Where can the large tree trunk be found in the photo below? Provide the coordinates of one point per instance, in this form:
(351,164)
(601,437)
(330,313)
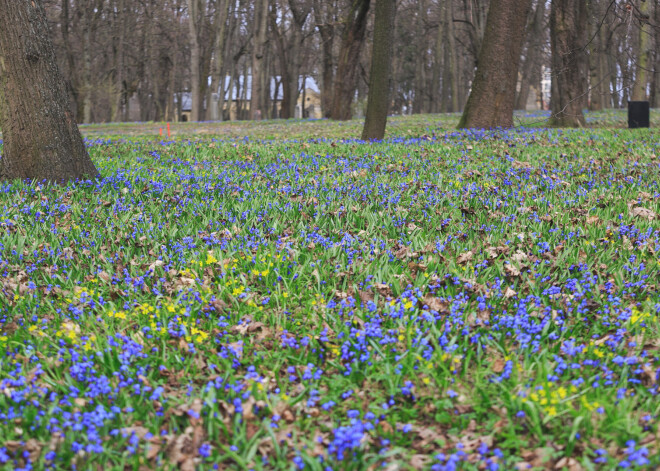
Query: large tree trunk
(349,57)
(259,38)
(568,39)
(491,100)
(378,101)
(41,139)
(641,74)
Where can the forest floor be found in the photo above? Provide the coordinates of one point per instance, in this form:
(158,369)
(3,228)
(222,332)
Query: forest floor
(299,299)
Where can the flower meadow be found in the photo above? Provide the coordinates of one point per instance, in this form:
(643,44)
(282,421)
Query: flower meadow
(440,300)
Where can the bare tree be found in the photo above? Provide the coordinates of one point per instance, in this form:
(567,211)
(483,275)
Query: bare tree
(196,9)
(533,56)
(325,16)
(355,26)
(491,100)
(258,105)
(289,35)
(568,38)
(41,139)
(643,52)
(218,58)
(379,78)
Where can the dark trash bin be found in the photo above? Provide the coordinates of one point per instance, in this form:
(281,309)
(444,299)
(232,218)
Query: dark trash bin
(638,114)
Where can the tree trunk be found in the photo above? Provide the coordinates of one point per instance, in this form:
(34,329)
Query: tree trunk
(194,24)
(493,94)
(598,72)
(259,38)
(420,61)
(436,72)
(119,105)
(217,64)
(41,139)
(378,101)
(531,67)
(568,40)
(655,81)
(287,105)
(71,73)
(349,57)
(614,91)
(300,12)
(451,68)
(326,30)
(641,75)
(87,68)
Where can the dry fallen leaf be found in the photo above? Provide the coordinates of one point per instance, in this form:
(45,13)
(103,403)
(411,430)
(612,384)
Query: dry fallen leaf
(435,304)
(511,270)
(465,257)
(644,213)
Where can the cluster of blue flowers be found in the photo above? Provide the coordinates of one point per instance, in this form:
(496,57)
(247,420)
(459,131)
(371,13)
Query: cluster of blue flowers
(360,292)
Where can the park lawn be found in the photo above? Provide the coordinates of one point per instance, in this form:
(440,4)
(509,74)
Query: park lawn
(440,300)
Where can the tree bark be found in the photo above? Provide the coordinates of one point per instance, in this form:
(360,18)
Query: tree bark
(349,57)
(568,40)
(41,138)
(87,67)
(217,64)
(420,60)
(378,101)
(70,73)
(531,67)
(259,38)
(655,80)
(493,94)
(299,12)
(436,70)
(194,24)
(641,65)
(598,74)
(450,82)
(325,25)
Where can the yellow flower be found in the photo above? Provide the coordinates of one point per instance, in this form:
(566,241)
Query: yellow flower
(210,259)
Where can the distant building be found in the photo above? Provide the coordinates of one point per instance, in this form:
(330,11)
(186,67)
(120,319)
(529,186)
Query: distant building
(237,99)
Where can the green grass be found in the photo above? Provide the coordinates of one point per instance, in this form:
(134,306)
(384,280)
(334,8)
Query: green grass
(300,298)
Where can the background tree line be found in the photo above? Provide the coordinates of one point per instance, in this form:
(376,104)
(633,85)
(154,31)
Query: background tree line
(143,54)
